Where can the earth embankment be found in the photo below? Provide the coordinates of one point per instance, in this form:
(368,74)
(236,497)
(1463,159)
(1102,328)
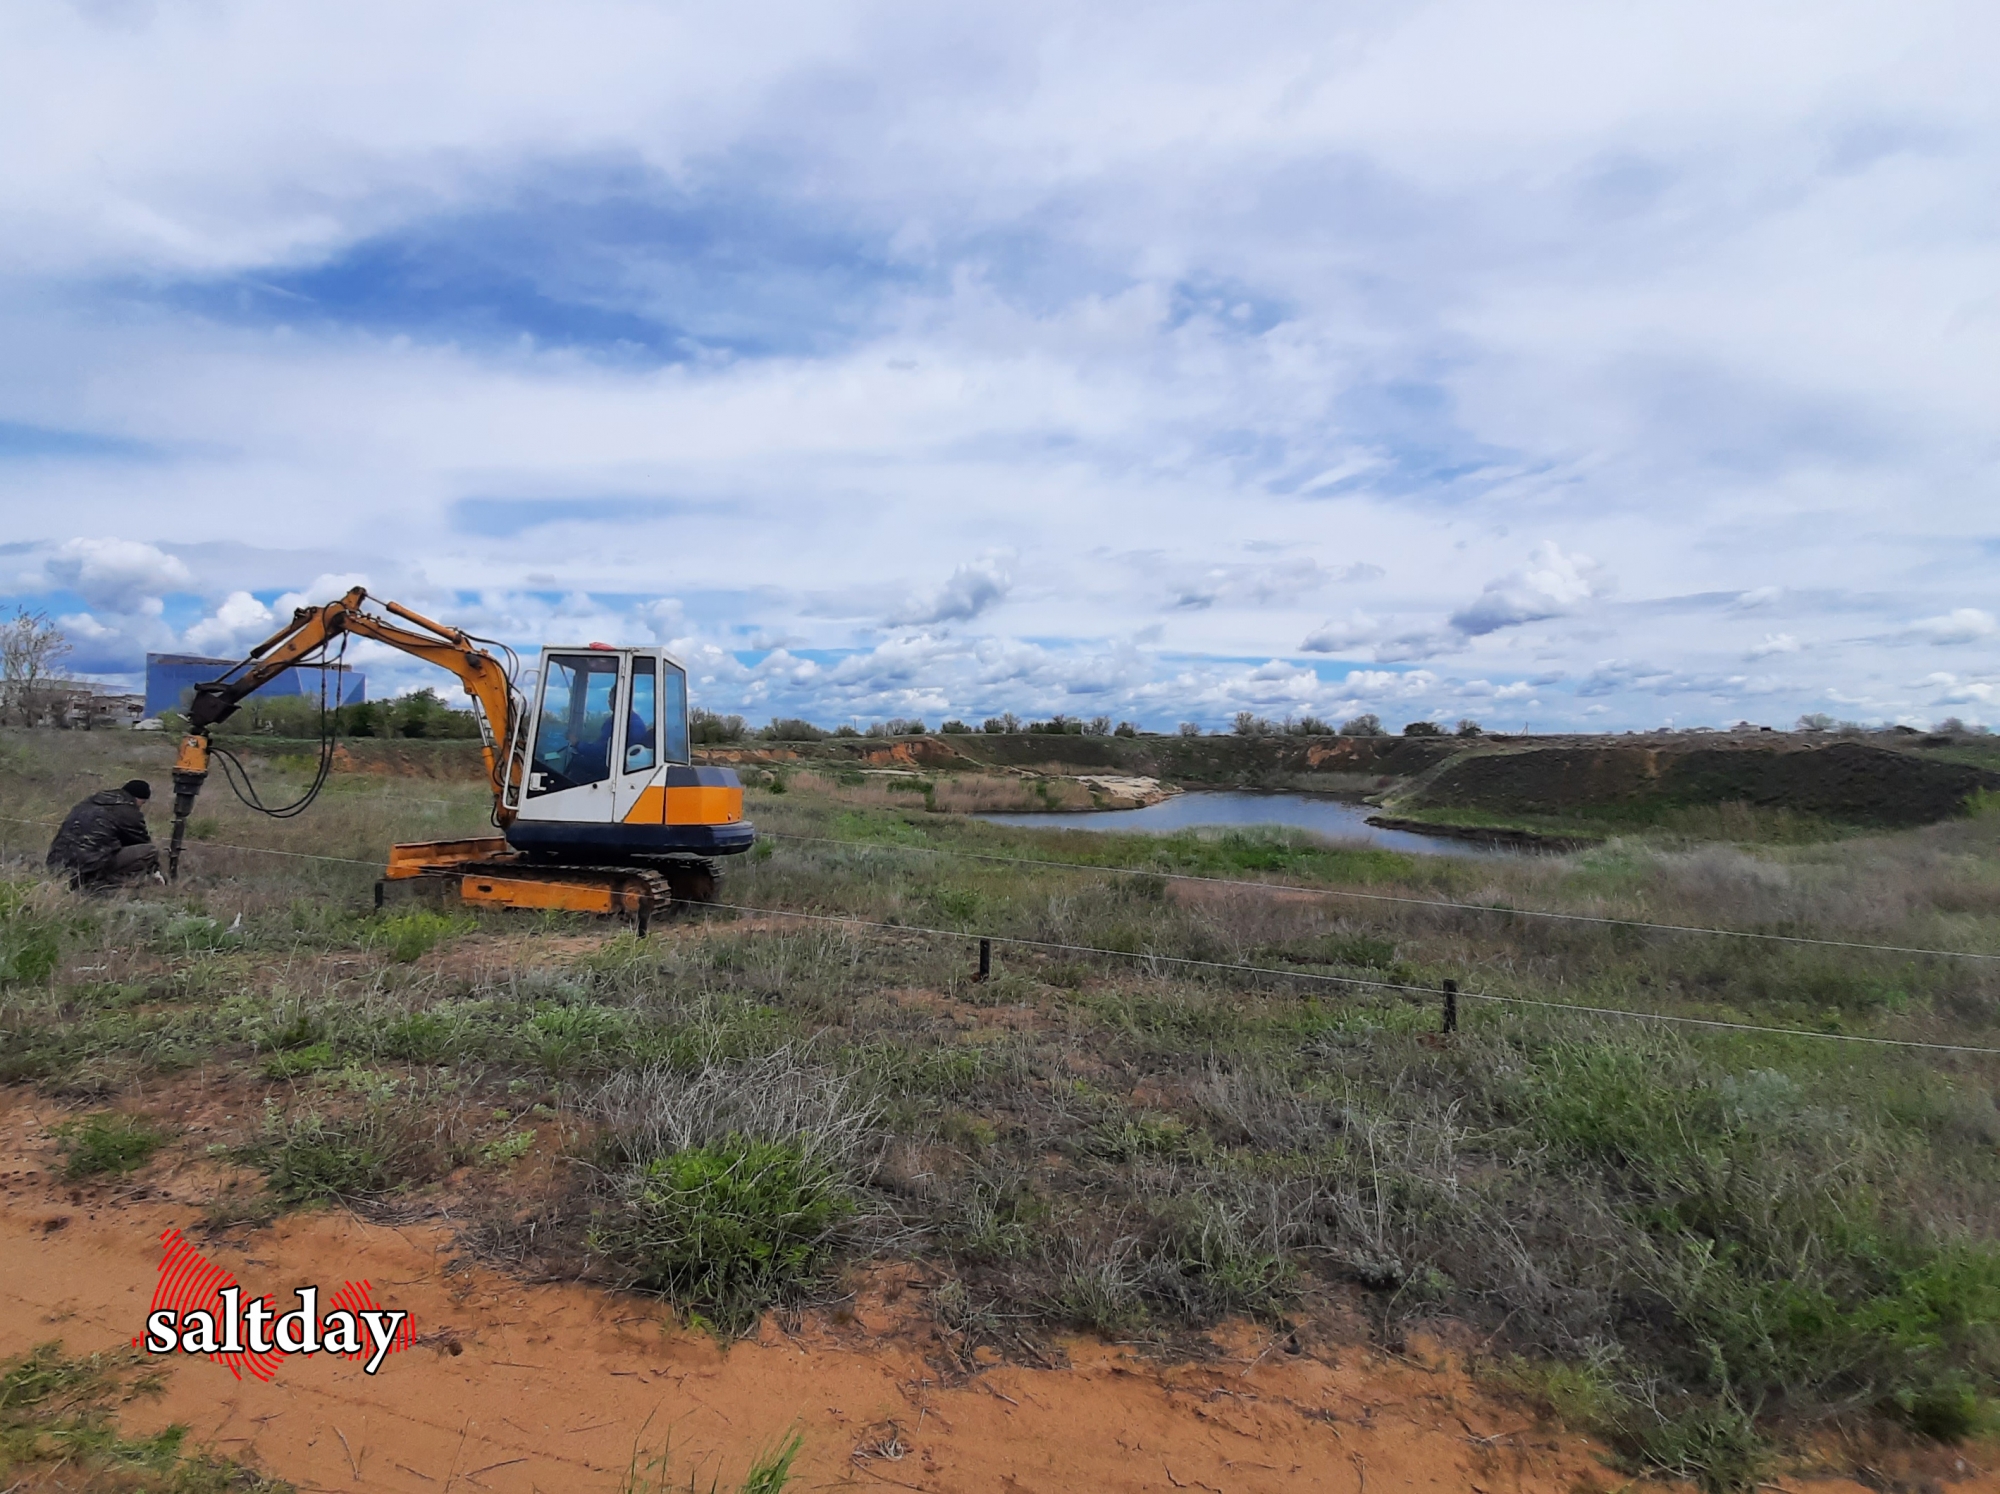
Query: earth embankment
(1850,782)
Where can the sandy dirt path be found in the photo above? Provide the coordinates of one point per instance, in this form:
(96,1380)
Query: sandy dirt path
(551,1388)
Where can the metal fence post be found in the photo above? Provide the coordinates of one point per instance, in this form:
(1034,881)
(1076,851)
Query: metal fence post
(1451,1006)
(985,960)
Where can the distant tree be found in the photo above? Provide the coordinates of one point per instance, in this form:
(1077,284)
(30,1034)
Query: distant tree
(1422,729)
(791,729)
(1249,724)
(31,650)
(1058,726)
(1126,729)
(1098,726)
(1368,724)
(845,730)
(1190,728)
(1308,725)
(956,727)
(1002,724)
(422,713)
(1467,727)
(707,729)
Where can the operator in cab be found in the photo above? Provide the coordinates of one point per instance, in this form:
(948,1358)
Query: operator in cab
(104,841)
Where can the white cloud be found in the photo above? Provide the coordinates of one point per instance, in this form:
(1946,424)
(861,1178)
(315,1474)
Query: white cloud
(1268,584)
(1774,643)
(1342,635)
(971,591)
(117,575)
(1972,694)
(1756,597)
(1552,584)
(1960,625)
(239,624)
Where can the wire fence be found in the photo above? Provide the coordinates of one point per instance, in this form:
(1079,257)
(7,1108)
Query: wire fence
(1446,993)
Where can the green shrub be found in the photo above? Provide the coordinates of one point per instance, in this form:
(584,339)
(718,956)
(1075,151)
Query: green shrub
(311,1157)
(956,905)
(408,937)
(506,1149)
(107,1142)
(30,949)
(296,1062)
(420,1037)
(725,1229)
(193,933)
(1715,1446)
(567,1040)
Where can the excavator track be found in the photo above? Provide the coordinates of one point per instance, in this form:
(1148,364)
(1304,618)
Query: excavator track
(636,891)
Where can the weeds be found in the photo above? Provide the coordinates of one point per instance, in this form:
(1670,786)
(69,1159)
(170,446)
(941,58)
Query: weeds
(408,937)
(724,1188)
(109,1142)
(724,1229)
(57,1430)
(389,1143)
(769,1471)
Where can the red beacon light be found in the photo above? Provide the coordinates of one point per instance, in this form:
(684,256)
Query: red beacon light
(605,646)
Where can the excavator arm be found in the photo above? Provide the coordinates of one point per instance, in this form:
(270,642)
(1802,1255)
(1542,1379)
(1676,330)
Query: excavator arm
(310,630)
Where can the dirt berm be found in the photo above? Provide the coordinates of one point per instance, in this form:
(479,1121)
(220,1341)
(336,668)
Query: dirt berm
(1326,763)
(1847,781)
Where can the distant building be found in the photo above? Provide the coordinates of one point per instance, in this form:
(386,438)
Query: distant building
(81,705)
(170,679)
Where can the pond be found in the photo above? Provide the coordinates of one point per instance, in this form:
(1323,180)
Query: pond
(1336,819)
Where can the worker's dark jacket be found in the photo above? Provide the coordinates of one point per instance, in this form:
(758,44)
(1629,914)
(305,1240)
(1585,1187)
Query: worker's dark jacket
(96,831)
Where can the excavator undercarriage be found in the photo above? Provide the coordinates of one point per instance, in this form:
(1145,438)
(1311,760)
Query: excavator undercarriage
(487,872)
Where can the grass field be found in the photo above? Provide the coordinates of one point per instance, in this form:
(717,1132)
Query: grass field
(1708,1245)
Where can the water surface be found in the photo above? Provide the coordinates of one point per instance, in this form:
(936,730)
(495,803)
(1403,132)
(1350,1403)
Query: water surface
(1337,819)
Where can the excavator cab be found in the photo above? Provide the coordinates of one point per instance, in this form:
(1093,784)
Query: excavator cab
(605,772)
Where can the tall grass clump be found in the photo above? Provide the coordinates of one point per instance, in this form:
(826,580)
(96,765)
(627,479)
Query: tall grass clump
(408,937)
(393,1140)
(107,1143)
(723,1188)
(31,937)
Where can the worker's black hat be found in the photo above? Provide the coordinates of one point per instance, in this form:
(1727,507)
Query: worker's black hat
(138,788)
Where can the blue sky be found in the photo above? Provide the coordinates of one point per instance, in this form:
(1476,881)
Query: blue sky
(1560,364)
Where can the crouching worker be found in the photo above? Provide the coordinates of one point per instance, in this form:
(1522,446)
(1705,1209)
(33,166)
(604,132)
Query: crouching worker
(104,841)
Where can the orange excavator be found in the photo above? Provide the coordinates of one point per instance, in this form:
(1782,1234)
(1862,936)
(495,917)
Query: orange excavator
(599,804)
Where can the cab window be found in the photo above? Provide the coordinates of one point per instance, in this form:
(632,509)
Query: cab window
(674,713)
(642,721)
(574,730)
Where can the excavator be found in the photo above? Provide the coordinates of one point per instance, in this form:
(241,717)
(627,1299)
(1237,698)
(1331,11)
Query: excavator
(599,804)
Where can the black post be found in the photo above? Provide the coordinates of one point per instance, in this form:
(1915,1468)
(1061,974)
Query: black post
(1451,1006)
(985,960)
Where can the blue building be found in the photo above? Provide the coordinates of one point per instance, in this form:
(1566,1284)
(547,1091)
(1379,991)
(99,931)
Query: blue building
(171,677)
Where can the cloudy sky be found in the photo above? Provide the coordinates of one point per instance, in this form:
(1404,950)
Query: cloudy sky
(1581,365)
